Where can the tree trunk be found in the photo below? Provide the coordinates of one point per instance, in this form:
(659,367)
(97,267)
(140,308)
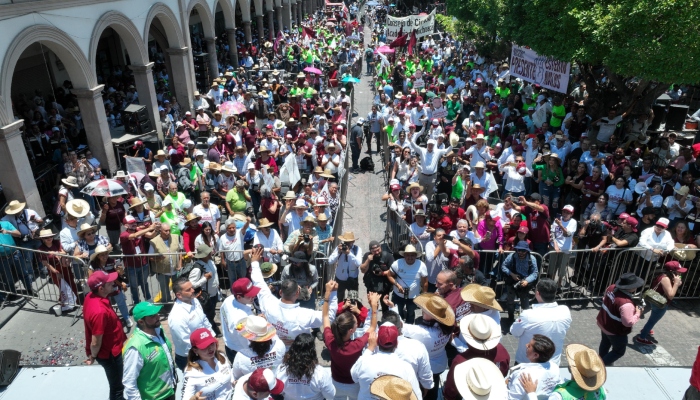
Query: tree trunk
(618,91)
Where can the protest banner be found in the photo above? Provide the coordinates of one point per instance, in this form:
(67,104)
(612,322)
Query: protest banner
(423,24)
(439,111)
(545,71)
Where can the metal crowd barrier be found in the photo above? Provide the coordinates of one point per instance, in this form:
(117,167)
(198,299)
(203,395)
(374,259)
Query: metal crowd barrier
(35,275)
(398,233)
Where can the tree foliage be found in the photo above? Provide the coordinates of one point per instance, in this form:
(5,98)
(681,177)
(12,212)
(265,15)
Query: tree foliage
(637,43)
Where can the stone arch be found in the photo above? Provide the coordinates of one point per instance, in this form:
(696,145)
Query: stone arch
(229,13)
(205,15)
(259,9)
(169,21)
(130,35)
(81,72)
(244,6)
(271,4)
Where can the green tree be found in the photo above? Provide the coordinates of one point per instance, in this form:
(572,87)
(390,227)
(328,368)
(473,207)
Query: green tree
(641,45)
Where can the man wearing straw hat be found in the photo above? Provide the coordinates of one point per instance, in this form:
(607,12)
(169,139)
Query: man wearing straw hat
(372,365)
(392,387)
(27,222)
(587,372)
(409,276)
(479,379)
(347,260)
(9,259)
(483,337)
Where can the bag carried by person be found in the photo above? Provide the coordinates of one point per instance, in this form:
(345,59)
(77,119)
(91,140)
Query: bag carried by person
(366,164)
(184,183)
(655,298)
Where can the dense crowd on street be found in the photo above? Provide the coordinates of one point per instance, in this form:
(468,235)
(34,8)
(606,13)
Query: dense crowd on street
(498,181)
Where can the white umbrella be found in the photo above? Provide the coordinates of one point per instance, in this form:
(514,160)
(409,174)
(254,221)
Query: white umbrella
(105,187)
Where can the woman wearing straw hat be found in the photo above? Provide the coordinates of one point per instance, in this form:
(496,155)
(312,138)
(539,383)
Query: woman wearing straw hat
(65,194)
(266,350)
(88,240)
(100,261)
(483,337)
(192,230)
(410,278)
(302,376)
(435,332)
(270,240)
(60,269)
(207,369)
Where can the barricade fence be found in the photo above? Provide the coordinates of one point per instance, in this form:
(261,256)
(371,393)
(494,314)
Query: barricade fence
(398,233)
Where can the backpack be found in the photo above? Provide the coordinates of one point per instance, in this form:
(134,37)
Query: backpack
(366,164)
(184,183)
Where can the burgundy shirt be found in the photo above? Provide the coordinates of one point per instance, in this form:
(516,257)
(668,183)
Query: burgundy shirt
(459,306)
(539,224)
(100,319)
(499,355)
(129,248)
(342,359)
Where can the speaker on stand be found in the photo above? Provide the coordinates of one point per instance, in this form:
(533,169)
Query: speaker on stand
(675,119)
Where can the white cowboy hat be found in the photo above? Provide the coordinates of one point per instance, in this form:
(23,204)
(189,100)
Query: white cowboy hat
(410,249)
(85,228)
(256,329)
(78,208)
(98,250)
(70,181)
(480,379)
(14,207)
(480,332)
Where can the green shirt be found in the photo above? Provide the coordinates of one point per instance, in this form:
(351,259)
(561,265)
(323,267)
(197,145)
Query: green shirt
(172,219)
(179,199)
(571,391)
(236,200)
(558,114)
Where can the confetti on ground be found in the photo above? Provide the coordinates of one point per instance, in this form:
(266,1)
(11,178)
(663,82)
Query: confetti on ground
(67,351)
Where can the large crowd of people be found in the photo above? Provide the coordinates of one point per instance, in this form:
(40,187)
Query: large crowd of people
(498,181)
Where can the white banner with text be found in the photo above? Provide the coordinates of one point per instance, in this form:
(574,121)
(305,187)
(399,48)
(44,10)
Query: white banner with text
(545,71)
(423,24)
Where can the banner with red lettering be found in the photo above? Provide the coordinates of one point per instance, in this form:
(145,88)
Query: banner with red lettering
(545,71)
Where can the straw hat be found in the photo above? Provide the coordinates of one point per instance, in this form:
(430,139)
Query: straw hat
(436,307)
(160,152)
(155,174)
(309,219)
(98,250)
(327,174)
(279,124)
(78,208)
(213,166)
(480,331)
(85,228)
(263,223)
(14,207)
(413,186)
(191,217)
(483,296)
(393,388)
(135,201)
(410,249)
(263,149)
(480,379)
(256,329)
(268,269)
(70,181)
(347,237)
(46,233)
(321,217)
(683,190)
(318,170)
(228,167)
(586,367)
(290,195)
(187,161)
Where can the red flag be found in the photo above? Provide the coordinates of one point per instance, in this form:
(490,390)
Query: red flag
(399,41)
(412,42)
(309,32)
(280,37)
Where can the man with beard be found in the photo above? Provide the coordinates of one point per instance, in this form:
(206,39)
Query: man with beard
(616,163)
(375,267)
(149,369)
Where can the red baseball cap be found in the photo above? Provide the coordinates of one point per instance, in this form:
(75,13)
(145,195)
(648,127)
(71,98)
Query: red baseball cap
(99,278)
(263,380)
(624,216)
(138,144)
(129,219)
(388,335)
(675,266)
(523,229)
(202,338)
(633,223)
(244,287)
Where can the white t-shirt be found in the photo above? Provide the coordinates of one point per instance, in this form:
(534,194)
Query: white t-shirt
(616,196)
(371,366)
(215,384)
(546,375)
(673,213)
(330,166)
(319,387)
(413,352)
(656,201)
(246,361)
(409,276)
(231,312)
(434,341)
(548,319)
(564,242)
(211,215)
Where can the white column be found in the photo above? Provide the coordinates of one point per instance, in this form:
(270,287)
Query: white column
(261,30)
(213,61)
(182,84)
(280,22)
(16,173)
(143,77)
(95,120)
(233,47)
(248,33)
(286,16)
(271,25)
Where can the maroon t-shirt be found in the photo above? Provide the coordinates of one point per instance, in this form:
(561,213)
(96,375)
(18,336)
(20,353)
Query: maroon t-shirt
(100,319)
(115,215)
(594,186)
(129,249)
(453,217)
(342,359)
(498,355)
(459,306)
(265,205)
(539,224)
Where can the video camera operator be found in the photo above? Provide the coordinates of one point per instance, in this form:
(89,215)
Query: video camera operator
(375,267)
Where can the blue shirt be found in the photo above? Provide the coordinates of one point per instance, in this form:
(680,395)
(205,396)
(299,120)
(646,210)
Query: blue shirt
(526,268)
(6,239)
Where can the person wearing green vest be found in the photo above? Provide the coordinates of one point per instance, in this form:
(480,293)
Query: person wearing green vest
(453,107)
(558,114)
(176,197)
(502,90)
(588,373)
(149,369)
(169,216)
(459,182)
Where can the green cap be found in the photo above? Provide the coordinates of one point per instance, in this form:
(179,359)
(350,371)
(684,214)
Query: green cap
(266,267)
(145,309)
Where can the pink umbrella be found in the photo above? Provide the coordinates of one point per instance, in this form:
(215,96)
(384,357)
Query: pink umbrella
(313,70)
(105,187)
(231,108)
(384,50)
